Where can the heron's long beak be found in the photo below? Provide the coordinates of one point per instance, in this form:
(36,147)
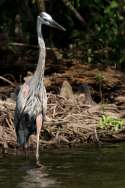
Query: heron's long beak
(56,25)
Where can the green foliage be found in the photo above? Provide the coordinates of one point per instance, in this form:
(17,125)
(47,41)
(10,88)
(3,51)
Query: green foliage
(104,33)
(100,40)
(108,122)
(99,77)
(33,1)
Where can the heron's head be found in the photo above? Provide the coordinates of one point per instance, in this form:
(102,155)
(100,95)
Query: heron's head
(48,20)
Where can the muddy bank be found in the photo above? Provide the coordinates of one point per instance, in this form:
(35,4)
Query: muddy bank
(69,122)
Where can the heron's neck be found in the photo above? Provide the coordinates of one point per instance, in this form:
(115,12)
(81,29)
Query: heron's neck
(39,73)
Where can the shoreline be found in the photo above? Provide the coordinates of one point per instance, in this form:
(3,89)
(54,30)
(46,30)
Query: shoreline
(67,124)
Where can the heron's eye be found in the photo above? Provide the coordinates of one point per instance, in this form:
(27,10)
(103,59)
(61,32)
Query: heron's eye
(45,20)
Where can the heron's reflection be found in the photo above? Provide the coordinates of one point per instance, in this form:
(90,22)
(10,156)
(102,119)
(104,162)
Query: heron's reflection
(37,178)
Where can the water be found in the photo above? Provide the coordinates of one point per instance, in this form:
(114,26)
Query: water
(86,167)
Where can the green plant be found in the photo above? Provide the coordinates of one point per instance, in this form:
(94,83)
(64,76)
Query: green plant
(108,122)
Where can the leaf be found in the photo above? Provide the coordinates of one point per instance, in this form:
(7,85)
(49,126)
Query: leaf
(110,122)
(113,5)
(33,1)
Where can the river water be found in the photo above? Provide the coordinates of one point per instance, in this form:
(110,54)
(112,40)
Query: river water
(84,167)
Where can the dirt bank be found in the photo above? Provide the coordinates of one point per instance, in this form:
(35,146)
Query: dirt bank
(68,123)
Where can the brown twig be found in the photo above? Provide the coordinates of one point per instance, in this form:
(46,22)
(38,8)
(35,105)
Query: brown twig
(8,81)
(72,8)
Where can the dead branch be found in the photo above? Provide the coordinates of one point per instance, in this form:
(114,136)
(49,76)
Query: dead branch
(77,14)
(8,81)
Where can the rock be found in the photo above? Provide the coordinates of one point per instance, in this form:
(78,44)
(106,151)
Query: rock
(66,91)
(84,93)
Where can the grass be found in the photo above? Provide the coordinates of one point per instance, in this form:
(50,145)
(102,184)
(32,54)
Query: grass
(108,122)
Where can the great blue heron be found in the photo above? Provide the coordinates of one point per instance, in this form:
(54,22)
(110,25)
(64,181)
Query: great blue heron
(31,104)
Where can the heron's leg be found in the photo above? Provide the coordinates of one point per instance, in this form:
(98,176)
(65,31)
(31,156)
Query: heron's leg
(26,150)
(39,124)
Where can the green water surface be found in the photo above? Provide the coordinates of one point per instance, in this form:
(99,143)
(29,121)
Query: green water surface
(84,167)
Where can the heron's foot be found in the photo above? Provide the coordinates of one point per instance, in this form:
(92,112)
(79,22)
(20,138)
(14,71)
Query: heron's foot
(38,164)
